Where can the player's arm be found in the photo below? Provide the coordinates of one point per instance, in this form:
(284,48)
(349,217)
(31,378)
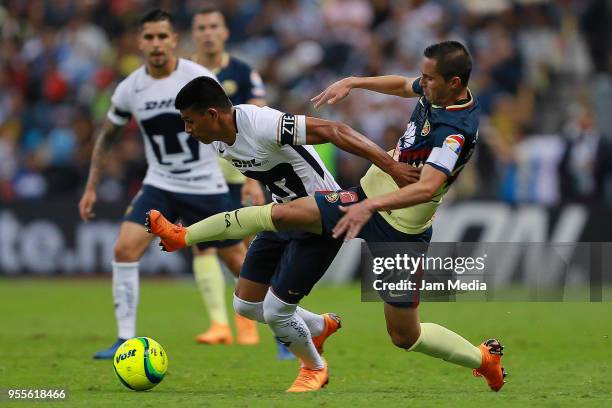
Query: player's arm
(388,84)
(422,191)
(319,131)
(107,136)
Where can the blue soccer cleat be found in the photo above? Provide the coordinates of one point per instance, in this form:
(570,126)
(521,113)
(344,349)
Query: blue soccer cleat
(109,353)
(283,352)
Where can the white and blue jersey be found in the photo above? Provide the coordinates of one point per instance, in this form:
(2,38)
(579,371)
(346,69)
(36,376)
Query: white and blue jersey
(270,147)
(176,161)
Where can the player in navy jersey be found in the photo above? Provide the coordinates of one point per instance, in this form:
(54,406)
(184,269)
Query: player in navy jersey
(242,84)
(182,176)
(440,137)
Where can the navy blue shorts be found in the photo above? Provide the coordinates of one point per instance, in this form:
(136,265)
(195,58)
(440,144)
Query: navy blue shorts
(291,262)
(188,208)
(375,230)
(235,192)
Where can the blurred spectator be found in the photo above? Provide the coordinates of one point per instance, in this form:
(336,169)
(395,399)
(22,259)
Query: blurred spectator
(586,160)
(60,59)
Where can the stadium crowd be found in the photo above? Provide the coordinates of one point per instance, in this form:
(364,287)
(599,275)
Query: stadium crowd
(542,74)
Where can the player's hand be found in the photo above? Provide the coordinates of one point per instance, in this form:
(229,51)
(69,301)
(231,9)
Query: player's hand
(333,93)
(404,174)
(86,204)
(355,217)
(251,193)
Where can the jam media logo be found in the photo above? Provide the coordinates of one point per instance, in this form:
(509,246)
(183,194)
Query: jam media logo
(455,143)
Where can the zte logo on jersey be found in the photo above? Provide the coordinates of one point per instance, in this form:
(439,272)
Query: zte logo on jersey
(243,164)
(287,129)
(166,103)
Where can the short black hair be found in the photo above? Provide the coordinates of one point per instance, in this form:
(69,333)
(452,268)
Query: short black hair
(202,93)
(211,8)
(156,15)
(452,59)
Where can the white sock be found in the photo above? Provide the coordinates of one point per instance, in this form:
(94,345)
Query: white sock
(254,311)
(125,296)
(291,330)
(250,310)
(315,322)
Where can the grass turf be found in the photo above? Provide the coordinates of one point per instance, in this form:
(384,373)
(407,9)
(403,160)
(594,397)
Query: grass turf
(558,354)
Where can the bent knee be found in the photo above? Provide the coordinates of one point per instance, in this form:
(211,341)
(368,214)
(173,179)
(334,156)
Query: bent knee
(276,311)
(250,310)
(301,214)
(281,215)
(403,340)
(126,252)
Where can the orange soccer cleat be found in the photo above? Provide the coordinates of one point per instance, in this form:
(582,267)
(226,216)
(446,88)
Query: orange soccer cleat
(491,368)
(172,236)
(332,324)
(246,331)
(217,334)
(310,380)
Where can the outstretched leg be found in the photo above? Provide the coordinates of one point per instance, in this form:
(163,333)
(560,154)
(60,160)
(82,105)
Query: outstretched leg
(407,332)
(301,215)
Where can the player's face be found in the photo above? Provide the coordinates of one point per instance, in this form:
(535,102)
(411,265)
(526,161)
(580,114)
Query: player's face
(157,42)
(435,88)
(202,126)
(209,32)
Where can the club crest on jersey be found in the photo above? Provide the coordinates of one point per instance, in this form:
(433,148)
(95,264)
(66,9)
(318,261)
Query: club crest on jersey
(332,197)
(455,143)
(426,128)
(348,197)
(230,87)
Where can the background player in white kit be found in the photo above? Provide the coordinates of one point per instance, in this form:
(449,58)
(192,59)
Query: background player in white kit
(183,175)
(280,268)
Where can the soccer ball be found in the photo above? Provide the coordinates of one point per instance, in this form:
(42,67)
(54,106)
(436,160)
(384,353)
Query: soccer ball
(140,363)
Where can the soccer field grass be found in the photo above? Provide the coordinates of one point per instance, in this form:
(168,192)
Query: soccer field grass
(558,354)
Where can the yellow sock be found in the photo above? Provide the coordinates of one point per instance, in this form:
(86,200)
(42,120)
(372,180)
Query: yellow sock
(437,341)
(235,224)
(211,283)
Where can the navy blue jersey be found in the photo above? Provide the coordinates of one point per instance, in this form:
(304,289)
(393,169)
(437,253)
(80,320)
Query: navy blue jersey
(441,136)
(434,127)
(240,82)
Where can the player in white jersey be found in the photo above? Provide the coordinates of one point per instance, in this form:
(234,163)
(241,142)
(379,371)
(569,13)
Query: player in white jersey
(280,268)
(183,175)
(268,148)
